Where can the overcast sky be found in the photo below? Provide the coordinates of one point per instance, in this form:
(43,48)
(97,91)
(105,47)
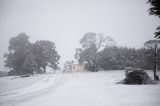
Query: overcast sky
(65,21)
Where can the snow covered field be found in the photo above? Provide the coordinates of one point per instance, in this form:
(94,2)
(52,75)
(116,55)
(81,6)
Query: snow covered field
(76,89)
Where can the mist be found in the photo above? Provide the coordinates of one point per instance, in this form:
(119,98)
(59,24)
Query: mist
(65,22)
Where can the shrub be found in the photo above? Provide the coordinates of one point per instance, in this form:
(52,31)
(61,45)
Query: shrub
(138,77)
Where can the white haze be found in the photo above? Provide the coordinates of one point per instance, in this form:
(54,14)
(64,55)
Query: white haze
(65,21)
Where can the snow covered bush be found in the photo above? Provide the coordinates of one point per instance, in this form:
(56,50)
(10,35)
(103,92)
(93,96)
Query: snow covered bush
(138,77)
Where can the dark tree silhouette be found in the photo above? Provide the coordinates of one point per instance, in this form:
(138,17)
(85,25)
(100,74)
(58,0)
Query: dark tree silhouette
(155,10)
(46,54)
(27,58)
(16,55)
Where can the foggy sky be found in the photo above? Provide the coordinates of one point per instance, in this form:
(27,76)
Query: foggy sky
(65,21)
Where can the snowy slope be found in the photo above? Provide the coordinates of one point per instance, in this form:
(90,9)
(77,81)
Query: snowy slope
(83,89)
(14,83)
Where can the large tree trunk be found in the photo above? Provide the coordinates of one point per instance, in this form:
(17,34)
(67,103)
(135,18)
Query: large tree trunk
(38,70)
(95,64)
(155,63)
(44,68)
(95,68)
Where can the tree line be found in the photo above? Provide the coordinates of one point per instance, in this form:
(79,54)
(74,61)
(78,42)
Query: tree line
(24,57)
(101,53)
(119,58)
(97,53)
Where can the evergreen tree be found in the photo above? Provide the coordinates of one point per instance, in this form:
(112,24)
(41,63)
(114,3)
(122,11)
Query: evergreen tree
(46,55)
(155,10)
(24,57)
(16,55)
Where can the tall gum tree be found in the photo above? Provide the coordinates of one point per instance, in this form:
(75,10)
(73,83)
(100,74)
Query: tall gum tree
(91,44)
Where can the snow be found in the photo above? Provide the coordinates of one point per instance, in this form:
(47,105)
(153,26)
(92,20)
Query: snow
(14,83)
(77,89)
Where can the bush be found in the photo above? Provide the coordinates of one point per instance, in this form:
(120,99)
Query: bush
(138,77)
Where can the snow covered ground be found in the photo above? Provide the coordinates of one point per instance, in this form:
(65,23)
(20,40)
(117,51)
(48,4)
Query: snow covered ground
(76,89)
